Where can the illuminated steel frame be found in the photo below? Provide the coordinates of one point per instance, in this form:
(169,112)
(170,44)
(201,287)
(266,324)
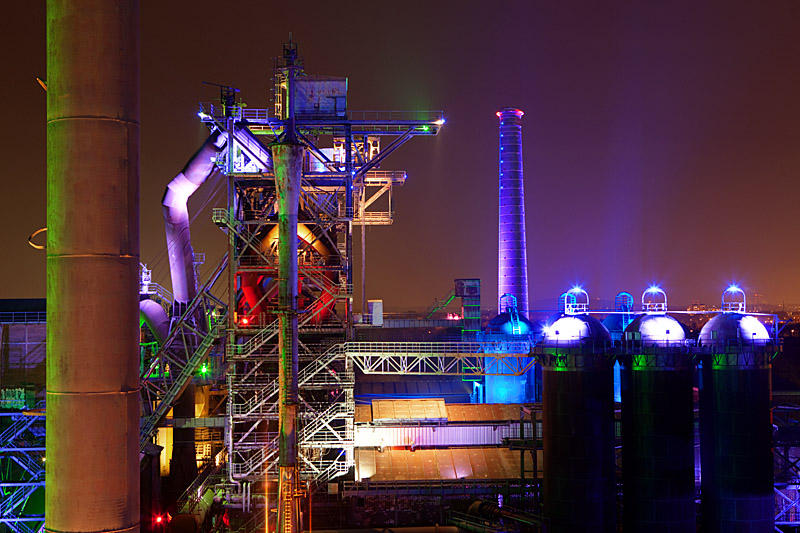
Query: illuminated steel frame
(341,188)
(22,450)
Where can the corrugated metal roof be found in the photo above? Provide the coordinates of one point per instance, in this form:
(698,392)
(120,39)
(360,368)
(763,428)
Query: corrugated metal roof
(363,414)
(435,409)
(428,464)
(418,410)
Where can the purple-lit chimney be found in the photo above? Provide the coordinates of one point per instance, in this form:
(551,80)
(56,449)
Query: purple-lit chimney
(512,268)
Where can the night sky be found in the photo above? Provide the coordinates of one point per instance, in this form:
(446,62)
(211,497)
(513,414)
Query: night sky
(661,139)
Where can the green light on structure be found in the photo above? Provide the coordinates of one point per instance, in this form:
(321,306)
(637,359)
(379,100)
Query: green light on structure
(426,128)
(471,373)
(204,369)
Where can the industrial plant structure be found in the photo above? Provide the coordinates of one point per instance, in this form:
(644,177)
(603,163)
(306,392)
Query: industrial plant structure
(269,404)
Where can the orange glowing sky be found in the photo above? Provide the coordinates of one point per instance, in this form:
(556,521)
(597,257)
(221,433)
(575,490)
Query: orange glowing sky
(660,139)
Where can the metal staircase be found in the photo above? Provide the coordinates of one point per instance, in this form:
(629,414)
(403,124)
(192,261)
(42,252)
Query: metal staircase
(318,373)
(318,433)
(255,342)
(323,428)
(177,385)
(172,368)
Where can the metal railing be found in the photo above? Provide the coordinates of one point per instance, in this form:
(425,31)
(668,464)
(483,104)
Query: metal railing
(396,116)
(441,358)
(381,177)
(157,289)
(374,218)
(265,115)
(265,457)
(32,317)
(255,342)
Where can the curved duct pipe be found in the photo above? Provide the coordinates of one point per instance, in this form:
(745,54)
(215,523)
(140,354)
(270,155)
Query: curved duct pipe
(270,242)
(253,292)
(176,216)
(156,319)
(184,283)
(323,306)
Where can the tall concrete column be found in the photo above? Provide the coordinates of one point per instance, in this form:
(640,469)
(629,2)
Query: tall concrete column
(92,266)
(287,161)
(512,268)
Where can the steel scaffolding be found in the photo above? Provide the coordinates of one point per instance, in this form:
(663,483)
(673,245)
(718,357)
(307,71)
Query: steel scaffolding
(21,467)
(341,187)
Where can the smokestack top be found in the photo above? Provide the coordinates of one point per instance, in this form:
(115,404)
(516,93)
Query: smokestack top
(506,111)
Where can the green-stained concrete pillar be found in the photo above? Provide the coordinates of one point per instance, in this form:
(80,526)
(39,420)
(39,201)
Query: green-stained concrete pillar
(92,266)
(287,160)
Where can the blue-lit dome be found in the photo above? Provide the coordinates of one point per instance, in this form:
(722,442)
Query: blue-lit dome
(503,324)
(728,327)
(658,328)
(575,329)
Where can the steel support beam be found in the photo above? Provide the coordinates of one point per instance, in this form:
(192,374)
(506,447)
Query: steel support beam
(288,160)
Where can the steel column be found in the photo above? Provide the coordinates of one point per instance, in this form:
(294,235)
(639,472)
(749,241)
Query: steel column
(287,160)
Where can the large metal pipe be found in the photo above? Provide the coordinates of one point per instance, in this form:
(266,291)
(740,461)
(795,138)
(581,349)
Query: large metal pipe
(92,266)
(156,319)
(192,515)
(287,160)
(512,269)
(176,216)
(184,286)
